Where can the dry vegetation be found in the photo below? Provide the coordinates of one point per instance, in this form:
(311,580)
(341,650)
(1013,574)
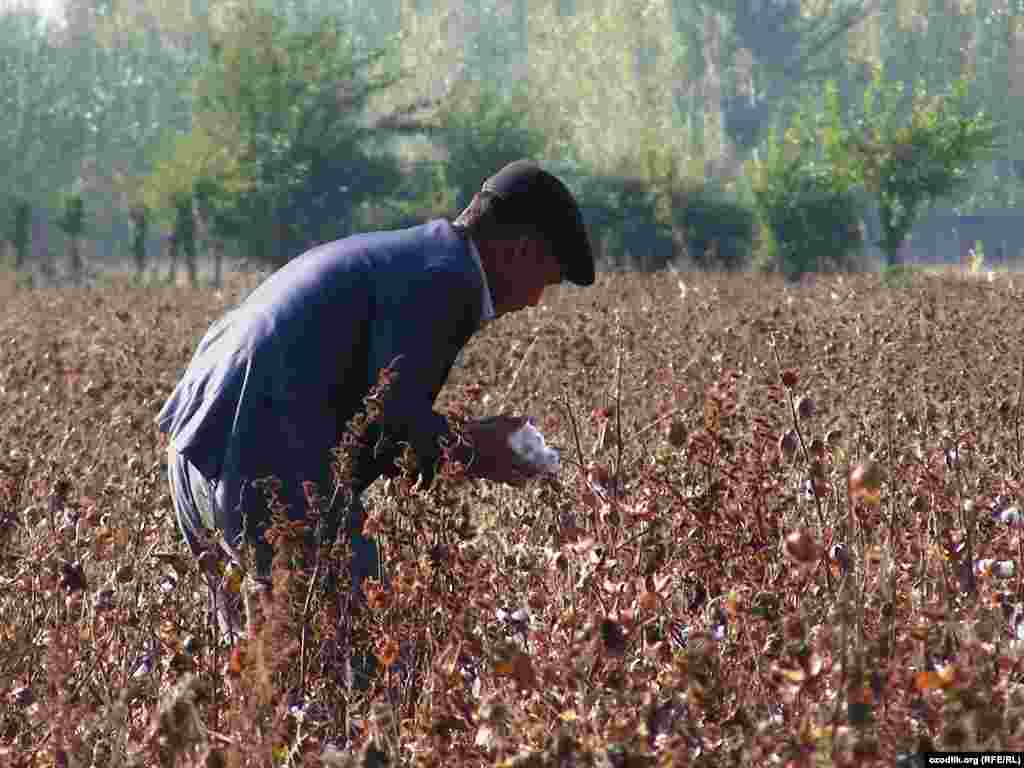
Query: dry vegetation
(702,586)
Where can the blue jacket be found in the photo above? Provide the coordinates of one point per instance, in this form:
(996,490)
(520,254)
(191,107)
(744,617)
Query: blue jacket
(274,382)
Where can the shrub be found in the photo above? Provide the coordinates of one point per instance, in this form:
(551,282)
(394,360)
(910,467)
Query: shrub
(20,234)
(645,220)
(909,163)
(423,195)
(813,220)
(483,130)
(621,213)
(719,232)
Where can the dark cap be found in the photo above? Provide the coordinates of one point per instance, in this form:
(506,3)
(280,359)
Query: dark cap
(541,199)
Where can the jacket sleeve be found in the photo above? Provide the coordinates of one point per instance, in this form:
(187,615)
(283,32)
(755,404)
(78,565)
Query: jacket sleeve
(419,326)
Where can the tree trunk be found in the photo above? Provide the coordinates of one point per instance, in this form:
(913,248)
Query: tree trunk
(139,255)
(22,234)
(75,259)
(140,229)
(190,262)
(218,262)
(172,258)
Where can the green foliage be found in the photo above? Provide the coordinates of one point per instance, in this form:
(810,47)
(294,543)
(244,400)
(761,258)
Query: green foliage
(71,219)
(623,216)
(184,224)
(81,103)
(186,162)
(607,81)
(139,215)
(41,131)
(279,149)
(775,48)
(656,207)
(19,232)
(808,205)
(483,130)
(422,195)
(643,224)
(237,97)
(184,238)
(899,275)
(215,197)
(719,231)
(909,161)
(809,185)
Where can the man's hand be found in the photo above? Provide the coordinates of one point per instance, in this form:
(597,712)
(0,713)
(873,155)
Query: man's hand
(495,460)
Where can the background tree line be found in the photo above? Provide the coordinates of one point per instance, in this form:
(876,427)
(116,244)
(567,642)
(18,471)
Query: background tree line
(725,130)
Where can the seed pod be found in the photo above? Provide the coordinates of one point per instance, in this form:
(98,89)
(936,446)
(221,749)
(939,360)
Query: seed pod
(613,637)
(73,602)
(1010,516)
(790,378)
(840,555)
(648,601)
(801,547)
(866,483)
(1000,569)
(104,600)
(22,696)
(599,476)
(793,628)
(72,577)
(805,408)
(677,434)
(788,443)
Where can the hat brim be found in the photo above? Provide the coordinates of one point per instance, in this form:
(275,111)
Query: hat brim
(574,252)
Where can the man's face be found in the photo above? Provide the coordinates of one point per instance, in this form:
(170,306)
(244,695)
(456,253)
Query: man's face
(520,272)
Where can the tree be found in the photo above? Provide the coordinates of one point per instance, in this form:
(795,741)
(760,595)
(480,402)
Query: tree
(752,55)
(909,162)
(605,82)
(38,136)
(483,131)
(211,222)
(72,222)
(279,128)
(183,240)
(20,234)
(811,214)
(139,215)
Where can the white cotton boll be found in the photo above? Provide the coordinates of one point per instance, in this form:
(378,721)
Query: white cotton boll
(1004,569)
(1000,569)
(1011,516)
(528,443)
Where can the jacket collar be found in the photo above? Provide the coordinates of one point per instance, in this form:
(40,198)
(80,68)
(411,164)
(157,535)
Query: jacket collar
(488,302)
